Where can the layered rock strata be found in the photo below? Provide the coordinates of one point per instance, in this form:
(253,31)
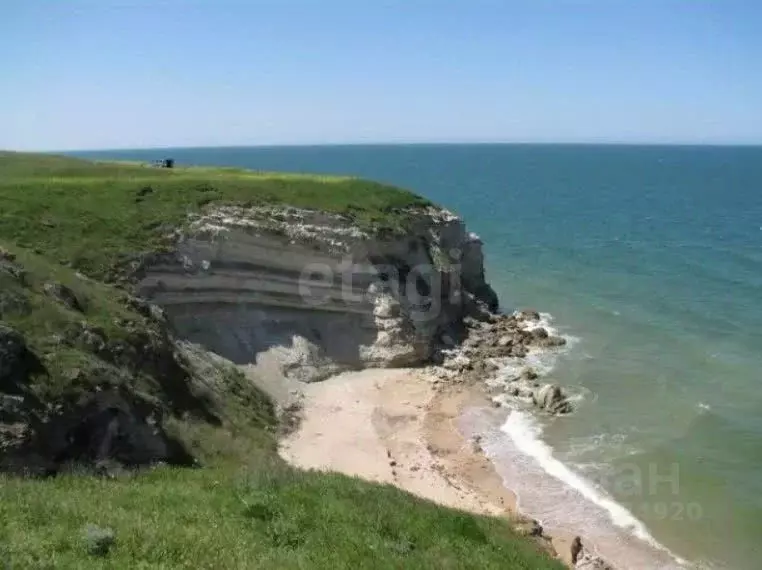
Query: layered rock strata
(303,294)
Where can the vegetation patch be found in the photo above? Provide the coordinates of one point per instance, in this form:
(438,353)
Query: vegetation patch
(265,515)
(93,214)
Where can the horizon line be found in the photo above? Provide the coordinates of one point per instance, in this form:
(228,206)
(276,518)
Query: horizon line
(411,143)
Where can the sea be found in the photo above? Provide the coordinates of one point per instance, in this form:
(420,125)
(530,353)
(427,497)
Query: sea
(649,260)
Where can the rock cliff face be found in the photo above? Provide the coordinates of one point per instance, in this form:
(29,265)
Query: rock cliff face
(302,294)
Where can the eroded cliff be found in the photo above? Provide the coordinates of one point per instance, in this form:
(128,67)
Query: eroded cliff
(297,295)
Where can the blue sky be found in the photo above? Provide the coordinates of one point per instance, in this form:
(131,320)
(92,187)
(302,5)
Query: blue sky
(85,74)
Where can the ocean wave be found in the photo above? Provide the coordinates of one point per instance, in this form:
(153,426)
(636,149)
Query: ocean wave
(524,431)
(580,395)
(546,322)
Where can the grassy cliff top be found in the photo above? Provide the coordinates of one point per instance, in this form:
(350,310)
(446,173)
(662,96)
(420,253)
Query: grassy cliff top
(88,213)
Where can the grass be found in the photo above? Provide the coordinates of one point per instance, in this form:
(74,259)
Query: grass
(269,516)
(244,508)
(91,214)
(43,321)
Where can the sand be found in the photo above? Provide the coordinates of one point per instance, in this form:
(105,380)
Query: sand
(393,426)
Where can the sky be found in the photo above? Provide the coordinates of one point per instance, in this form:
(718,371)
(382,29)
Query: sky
(97,74)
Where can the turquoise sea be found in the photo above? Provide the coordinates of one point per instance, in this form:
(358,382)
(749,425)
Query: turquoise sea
(650,257)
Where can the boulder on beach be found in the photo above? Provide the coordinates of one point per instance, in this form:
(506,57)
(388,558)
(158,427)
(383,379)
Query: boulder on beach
(589,562)
(576,549)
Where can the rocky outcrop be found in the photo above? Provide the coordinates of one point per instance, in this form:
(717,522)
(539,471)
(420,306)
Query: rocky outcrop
(101,430)
(9,268)
(503,340)
(310,294)
(106,421)
(64,295)
(16,360)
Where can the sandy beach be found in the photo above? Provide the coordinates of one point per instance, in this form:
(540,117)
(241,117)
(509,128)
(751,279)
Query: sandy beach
(393,426)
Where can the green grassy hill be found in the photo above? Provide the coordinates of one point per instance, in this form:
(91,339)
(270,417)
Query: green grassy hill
(93,214)
(241,507)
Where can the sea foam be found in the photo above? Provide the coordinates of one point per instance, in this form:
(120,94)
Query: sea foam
(577,494)
(524,432)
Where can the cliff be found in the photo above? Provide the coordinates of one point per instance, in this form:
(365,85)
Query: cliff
(128,262)
(302,294)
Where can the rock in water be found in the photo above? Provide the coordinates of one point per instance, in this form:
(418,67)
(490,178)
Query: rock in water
(540,333)
(552,399)
(529,315)
(552,341)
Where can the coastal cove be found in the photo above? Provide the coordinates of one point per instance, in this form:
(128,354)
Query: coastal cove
(159,326)
(366,286)
(648,259)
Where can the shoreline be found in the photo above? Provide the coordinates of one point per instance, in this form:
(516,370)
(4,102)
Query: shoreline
(399,427)
(465,461)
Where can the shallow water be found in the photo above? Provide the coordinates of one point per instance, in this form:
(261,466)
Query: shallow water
(652,258)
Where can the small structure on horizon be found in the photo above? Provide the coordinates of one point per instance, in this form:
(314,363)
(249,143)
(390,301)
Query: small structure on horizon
(164,163)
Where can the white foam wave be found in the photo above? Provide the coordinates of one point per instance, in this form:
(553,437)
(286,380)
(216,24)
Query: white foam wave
(541,362)
(546,322)
(525,431)
(580,395)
